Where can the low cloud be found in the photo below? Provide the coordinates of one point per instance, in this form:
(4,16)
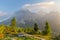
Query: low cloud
(42,6)
(3,13)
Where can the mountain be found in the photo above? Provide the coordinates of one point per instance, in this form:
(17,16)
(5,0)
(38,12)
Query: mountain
(24,17)
(27,18)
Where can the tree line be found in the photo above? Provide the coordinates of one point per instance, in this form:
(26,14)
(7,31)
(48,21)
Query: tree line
(13,29)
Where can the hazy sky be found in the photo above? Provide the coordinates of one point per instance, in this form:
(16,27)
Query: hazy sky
(7,7)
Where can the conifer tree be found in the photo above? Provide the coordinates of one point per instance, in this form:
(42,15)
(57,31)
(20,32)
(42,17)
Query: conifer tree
(13,22)
(47,30)
(13,25)
(36,27)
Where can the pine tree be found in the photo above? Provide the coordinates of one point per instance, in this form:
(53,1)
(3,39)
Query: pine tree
(36,27)
(13,22)
(13,25)
(47,30)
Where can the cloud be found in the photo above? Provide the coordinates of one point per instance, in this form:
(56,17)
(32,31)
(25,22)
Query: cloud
(3,13)
(42,6)
(4,16)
